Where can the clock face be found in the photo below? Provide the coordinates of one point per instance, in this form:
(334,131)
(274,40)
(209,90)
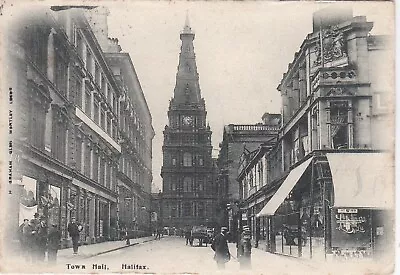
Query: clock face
(187,120)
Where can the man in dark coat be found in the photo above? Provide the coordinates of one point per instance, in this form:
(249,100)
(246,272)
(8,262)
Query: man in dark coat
(73,230)
(54,238)
(220,246)
(41,239)
(28,232)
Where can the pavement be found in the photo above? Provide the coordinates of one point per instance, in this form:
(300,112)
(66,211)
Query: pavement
(93,250)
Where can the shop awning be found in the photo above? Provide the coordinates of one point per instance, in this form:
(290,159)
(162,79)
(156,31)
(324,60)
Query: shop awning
(284,190)
(362,179)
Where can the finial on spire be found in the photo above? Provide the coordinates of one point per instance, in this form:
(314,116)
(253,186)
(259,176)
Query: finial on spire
(187,28)
(187,19)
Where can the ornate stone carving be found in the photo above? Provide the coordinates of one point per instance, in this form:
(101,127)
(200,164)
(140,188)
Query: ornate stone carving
(338,91)
(334,46)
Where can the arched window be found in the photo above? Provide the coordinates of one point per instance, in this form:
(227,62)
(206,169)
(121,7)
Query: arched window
(187,184)
(187,159)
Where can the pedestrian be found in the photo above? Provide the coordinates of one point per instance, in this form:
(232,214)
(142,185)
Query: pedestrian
(220,246)
(158,233)
(74,230)
(41,239)
(187,236)
(54,238)
(244,249)
(29,240)
(21,236)
(22,240)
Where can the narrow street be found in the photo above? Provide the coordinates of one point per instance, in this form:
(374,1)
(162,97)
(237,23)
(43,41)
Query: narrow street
(171,255)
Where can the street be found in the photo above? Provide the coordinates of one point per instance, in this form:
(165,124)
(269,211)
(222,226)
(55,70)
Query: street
(171,255)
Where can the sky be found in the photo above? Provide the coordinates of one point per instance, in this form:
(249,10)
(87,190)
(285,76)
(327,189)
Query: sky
(242,50)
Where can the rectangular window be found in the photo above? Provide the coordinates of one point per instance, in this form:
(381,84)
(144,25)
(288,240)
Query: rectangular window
(95,176)
(187,209)
(108,125)
(79,45)
(89,65)
(102,173)
(78,155)
(103,119)
(61,71)
(58,139)
(77,89)
(96,111)
(88,102)
(88,155)
(339,125)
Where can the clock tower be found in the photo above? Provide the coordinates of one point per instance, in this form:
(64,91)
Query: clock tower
(189,194)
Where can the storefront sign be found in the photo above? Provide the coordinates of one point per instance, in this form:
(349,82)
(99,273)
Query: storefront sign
(347,210)
(351,230)
(350,223)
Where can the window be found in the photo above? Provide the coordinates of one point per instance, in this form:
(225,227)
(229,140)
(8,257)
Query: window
(89,67)
(187,184)
(200,209)
(79,45)
(61,69)
(103,119)
(36,46)
(97,75)
(200,183)
(78,155)
(96,111)
(339,125)
(108,125)
(187,209)
(187,159)
(95,176)
(102,168)
(173,161)
(59,132)
(173,211)
(88,102)
(88,155)
(77,90)
(173,186)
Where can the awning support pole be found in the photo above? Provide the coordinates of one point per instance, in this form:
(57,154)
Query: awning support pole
(311,205)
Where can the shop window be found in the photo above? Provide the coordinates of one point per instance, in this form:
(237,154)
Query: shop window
(187,159)
(339,125)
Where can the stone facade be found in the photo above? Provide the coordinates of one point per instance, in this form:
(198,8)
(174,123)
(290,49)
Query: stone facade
(66,138)
(331,109)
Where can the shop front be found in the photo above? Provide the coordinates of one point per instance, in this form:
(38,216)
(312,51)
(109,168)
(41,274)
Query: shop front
(327,207)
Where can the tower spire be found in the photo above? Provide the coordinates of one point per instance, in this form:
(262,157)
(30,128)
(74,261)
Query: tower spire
(187,28)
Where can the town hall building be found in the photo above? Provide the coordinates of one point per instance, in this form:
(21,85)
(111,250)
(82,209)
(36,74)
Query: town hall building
(189,194)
